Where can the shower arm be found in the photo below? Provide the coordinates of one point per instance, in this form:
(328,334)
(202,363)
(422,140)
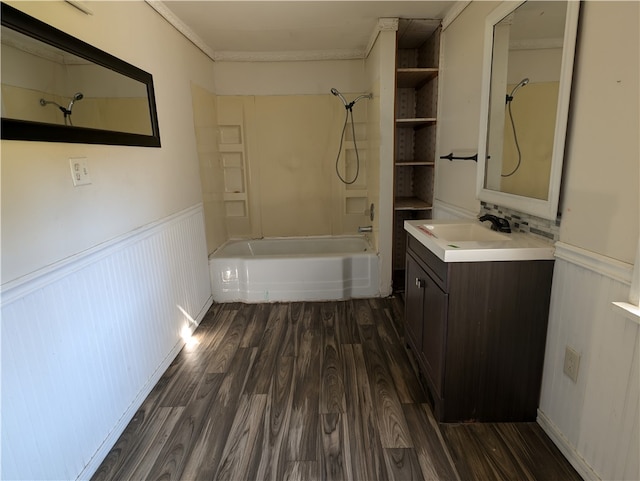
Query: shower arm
(350,105)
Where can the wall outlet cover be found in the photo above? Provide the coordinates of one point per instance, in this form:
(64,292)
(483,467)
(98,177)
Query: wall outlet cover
(571,363)
(79,171)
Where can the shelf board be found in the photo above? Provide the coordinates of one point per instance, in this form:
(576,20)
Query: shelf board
(410,203)
(414,163)
(414,77)
(415,123)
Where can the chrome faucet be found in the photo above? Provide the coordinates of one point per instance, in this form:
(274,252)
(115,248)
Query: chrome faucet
(363,229)
(497,223)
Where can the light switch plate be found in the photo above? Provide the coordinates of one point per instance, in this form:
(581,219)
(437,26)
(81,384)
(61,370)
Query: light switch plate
(80,171)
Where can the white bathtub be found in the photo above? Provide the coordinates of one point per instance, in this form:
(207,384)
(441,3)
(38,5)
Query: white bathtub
(294,269)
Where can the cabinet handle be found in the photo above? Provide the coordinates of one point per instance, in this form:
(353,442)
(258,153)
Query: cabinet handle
(420,282)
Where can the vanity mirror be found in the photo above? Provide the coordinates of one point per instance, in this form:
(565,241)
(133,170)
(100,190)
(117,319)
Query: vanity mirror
(57,88)
(528,65)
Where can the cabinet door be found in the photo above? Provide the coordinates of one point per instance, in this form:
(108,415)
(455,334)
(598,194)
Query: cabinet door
(434,332)
(414,303)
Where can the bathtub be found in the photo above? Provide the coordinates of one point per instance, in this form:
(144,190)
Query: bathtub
(294,269)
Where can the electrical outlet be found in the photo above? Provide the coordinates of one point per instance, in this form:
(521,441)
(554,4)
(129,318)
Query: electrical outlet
(80,171)
(571,363)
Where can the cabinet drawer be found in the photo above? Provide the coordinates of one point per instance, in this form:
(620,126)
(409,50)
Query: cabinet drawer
(438,269)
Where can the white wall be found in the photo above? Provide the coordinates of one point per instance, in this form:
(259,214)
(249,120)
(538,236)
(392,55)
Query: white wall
(44,218)
(594,421)
(603,160)
(99,280)
(381,77)
(288,78)
(459,106)
(599,415)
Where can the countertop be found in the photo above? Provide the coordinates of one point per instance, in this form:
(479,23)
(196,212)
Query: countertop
(518,247)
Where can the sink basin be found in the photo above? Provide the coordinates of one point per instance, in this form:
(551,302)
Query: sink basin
(463,232)
(470,241)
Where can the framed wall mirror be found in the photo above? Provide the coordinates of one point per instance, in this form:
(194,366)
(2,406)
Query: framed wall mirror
(57,88)
(528,65)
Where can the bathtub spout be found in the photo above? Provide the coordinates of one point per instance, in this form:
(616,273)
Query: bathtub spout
(363,229)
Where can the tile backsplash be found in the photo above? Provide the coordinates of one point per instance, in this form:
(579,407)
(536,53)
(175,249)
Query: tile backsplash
(520,222)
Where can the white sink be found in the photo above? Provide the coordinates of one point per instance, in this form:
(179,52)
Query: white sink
(472,241)
(464,232)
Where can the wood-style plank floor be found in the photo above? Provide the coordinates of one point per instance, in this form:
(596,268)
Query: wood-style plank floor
(316,390)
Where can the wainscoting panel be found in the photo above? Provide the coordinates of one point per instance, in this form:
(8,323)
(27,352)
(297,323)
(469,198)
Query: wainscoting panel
(594,421)
(85,340)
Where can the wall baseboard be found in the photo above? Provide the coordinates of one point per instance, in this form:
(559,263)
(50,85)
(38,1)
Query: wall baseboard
(91,334)
(109,442)
(567,450)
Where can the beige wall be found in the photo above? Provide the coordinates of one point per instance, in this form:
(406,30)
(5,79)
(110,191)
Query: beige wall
(601,208)
(601,174)
(459,107)
(44,218)
(117,114)
(297,138)
(534,117)
(291,126)
(288,78)
(205,121)
(290,145)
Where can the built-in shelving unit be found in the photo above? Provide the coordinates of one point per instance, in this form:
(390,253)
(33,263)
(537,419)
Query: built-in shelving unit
(418,51)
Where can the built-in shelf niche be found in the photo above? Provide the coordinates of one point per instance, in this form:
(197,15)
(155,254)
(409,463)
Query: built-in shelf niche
(232,157)
(417,68)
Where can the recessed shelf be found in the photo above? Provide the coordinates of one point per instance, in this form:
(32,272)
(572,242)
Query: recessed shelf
(416,122)
(414,77)
(416,99)
(411,203)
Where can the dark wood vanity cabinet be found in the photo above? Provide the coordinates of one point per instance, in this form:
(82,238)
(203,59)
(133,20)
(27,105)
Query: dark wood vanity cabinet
(478,333)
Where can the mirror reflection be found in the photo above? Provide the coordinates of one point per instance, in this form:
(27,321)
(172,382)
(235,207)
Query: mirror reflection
(526,68)
(42,83)
(57,88)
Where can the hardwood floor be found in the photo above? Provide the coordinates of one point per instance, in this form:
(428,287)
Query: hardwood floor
(305,391)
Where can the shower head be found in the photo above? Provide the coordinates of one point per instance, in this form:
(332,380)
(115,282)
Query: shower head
(339,95)
(77,96)
(522,83)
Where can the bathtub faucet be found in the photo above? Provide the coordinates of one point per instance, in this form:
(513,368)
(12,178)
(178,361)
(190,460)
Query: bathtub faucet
(363,229)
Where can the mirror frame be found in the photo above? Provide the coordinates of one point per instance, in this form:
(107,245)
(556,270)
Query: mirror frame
(547,209)
(13,129)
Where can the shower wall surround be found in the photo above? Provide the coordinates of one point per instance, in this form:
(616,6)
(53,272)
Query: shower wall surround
(277,155)
(205,122)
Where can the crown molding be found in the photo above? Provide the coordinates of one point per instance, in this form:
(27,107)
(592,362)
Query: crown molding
(387,23)
(453,13)
(168,15)
(80,5)
(384,24)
